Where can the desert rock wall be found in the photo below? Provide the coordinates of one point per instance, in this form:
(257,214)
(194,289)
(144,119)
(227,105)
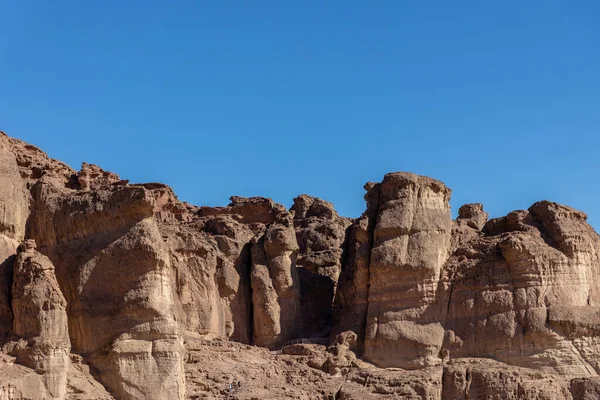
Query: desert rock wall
(107,287)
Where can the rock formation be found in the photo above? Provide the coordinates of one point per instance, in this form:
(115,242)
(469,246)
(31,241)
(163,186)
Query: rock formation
(116,290)
(321,237)
(40,320)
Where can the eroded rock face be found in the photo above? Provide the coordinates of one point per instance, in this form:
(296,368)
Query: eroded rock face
(275,284)
(133,294)
(411,242)
(352,297)
(502,289)
(526,293)
(321,235)
(486,379)
(14,211)
(40,320)
(396,254)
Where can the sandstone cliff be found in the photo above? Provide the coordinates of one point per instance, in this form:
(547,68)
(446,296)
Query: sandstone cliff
(116,290)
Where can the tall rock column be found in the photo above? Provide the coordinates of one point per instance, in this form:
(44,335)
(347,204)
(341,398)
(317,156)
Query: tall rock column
(275,286)
(40,318)
(410,244)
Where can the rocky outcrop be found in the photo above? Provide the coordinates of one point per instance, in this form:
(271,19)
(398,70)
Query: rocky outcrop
(114,269)
(134,294)
(40,320)
(410,244)
(14,210)
(321,236)
(352,297)
(275,285)
(396,256)
(514,289)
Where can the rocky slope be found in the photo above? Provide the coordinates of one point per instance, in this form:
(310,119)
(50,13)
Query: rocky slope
(116,290)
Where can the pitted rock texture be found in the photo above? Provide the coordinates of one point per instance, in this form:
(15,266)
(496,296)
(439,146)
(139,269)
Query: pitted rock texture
(110,289)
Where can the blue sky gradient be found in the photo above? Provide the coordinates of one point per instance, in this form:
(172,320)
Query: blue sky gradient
(499,100)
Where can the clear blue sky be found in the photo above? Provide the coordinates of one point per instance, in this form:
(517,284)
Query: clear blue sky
(498,99)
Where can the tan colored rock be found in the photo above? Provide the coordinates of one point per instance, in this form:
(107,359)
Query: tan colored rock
(40,318)
(411,243)
(212,260)
(473,215)
(471,220)
(14,206)
(275,285)
(487,380)
(150,282)
(212,257)
(106,245)
(14,210)
(526,293)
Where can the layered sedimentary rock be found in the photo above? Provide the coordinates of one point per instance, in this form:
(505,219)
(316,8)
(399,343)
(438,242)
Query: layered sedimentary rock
(526,292)
(134,294)
(502,289)
(410,244)
(115,273)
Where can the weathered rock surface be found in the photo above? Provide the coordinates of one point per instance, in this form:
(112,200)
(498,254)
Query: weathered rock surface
(526,293)
(133,294)
(321,236)
(275,285)
(40,320)
(411,240)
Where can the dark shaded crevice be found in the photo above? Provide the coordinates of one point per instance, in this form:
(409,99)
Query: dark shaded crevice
(468,378)
(338,394)
(344,260)
(248,250)
(6,276)
(449,302)
(373,221)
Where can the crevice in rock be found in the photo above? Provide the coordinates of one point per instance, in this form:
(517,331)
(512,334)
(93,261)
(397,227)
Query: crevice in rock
(247,247)
(468,378)
(449,302)
(373,220)
(338,394)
